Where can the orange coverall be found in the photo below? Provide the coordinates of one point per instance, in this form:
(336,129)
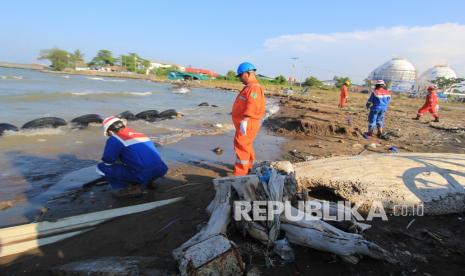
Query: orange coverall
(431,105)
(250,103)
(343,96)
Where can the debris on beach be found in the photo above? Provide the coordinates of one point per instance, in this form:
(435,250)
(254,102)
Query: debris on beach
(18,239)
(267,184)
(218,150)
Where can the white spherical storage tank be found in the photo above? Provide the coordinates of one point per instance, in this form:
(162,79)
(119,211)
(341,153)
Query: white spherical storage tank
(399,73)
(432,74)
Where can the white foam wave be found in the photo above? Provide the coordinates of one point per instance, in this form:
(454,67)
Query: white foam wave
(177,134)
(11,77)
(140,93)
(95,78)
(102,79)
(114,80)
(181,90)
(111,93)
(35,132)
(80,93)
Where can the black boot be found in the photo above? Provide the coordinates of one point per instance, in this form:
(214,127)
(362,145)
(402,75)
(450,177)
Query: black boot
(416,118)
(436,120)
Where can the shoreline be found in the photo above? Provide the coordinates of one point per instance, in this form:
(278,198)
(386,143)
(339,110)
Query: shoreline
(209,84)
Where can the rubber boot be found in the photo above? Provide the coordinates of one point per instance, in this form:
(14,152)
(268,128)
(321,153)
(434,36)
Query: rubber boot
(416,118)
(436,120)
(380,132)
(368,134)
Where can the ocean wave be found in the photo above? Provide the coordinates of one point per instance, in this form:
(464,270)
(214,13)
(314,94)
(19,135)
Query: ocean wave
(111,93)
(102,79)
(181,90)
(94,78)
(38,96)
(175,135)
(35,132)
(140,93)
(11,77)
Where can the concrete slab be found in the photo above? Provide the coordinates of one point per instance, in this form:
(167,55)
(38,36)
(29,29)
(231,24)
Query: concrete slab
(402,182)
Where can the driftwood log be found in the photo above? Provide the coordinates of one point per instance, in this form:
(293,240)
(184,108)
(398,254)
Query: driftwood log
(269,185)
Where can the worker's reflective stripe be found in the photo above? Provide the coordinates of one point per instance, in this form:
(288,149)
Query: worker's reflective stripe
(99,171)
(243,162)
(243,98)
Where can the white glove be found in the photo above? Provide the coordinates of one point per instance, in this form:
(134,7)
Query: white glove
(243,127)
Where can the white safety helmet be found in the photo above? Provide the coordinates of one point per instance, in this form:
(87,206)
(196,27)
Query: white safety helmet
(380,82)
(109,121)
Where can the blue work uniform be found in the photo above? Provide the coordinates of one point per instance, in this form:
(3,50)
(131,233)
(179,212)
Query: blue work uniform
(379,101)
(130,158)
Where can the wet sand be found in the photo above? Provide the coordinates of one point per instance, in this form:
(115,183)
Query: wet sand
(38,178)
(193,166)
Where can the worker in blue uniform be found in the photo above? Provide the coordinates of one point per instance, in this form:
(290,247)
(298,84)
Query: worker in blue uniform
(130,160)
(378,103)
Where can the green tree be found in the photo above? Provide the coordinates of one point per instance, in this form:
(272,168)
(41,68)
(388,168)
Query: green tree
(59,59)
(134,63)
(164,71)
(340,81)
(103,58)
(312,82)
(447,84)
(77,59)
(230,75)
(280,80)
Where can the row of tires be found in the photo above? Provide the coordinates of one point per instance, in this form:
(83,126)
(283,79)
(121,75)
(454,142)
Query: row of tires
(85,120)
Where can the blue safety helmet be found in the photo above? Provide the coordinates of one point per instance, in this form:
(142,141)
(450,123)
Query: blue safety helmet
(245,67)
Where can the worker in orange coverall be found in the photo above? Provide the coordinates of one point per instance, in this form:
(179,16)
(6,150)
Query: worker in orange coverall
(247,111)
(431,104)
(344,94)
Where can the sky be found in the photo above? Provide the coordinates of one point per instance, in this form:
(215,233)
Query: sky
(327,38)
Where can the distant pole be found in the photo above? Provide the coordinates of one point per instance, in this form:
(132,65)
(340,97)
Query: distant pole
(295,71)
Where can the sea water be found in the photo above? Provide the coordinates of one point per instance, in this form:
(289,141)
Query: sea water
(32,161)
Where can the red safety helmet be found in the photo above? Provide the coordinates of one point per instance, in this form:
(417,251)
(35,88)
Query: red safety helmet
(432,88)
(109,121)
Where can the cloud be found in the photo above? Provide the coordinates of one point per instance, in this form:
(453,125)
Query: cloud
(357,53)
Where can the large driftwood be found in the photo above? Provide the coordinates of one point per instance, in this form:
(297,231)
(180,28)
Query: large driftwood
(435,181)
(308,231)
(311,231)
(220,215)
(336,210)
(29,236)
(209,252)
(15,248)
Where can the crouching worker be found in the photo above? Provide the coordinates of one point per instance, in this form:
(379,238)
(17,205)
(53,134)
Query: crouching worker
(431,104)
(378,103)
(130,159)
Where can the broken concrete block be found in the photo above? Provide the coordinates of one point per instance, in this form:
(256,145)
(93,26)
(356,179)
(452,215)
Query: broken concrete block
(284,167)
(214,256)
